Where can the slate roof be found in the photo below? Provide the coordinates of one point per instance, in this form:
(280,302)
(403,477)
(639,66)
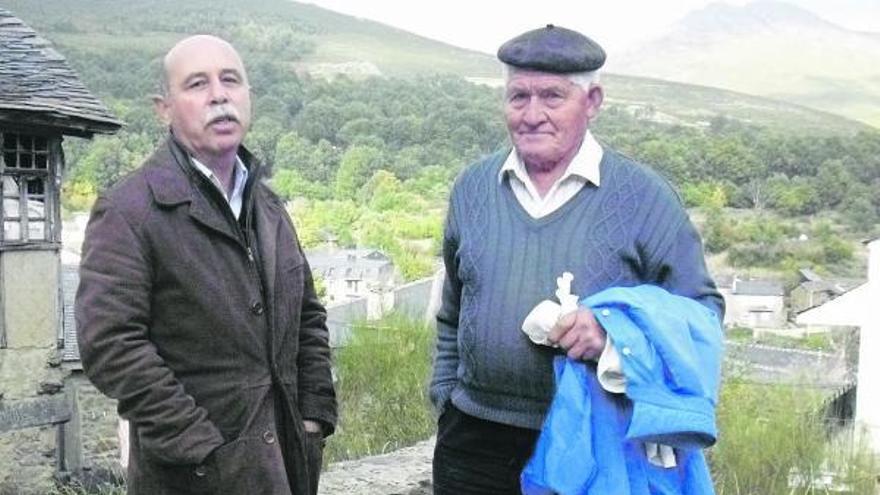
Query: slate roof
(809,275)
(351,264)
(38,87)
(758,288)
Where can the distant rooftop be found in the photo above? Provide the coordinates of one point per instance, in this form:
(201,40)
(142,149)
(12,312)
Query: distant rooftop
(809,275)
(758,288)
(350,264)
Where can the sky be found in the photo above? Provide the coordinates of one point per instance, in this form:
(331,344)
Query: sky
(615,24)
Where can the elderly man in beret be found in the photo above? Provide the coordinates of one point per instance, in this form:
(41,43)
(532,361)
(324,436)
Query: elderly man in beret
(557,202)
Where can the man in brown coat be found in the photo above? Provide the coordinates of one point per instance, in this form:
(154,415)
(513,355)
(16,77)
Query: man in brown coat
(196,309)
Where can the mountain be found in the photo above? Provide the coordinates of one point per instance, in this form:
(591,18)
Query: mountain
(104,37)
(767,48)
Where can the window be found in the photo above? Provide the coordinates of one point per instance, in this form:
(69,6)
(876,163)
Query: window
(26,185)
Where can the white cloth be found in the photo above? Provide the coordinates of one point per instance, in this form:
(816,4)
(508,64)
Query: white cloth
(584,167)
(239,177)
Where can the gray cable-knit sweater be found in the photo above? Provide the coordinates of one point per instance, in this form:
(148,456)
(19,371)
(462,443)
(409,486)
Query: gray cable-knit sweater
(501,262)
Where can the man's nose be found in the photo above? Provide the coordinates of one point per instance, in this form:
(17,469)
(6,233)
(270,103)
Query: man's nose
(533,113)
(219,93)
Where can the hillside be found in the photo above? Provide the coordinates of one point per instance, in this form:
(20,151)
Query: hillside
(767,48)
(694,105)
(114,35)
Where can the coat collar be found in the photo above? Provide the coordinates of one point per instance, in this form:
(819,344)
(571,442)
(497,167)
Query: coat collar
(173,180)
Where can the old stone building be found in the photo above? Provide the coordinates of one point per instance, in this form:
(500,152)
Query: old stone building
(41,101)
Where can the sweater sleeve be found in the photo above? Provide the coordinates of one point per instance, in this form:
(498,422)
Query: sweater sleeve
(672,251)
(446,356)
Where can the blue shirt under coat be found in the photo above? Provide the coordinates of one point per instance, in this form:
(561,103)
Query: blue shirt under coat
(592,441)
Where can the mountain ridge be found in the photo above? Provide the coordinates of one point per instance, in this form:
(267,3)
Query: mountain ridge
(767,48)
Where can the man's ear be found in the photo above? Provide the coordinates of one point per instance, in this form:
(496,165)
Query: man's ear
(162,108)
(595,97)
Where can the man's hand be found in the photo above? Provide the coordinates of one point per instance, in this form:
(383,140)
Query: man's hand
(311,426)
(579,334)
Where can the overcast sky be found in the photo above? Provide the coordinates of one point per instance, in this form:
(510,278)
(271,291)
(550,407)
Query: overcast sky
(483,26)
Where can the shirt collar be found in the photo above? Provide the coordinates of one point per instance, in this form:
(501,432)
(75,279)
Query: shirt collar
(239,178)
(585,163)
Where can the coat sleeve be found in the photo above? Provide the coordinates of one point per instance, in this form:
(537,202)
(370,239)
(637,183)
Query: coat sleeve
(446,358)
(317,398)
(113,327)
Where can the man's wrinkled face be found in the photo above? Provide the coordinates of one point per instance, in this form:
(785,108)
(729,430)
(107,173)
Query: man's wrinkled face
(547,116)
(208,102)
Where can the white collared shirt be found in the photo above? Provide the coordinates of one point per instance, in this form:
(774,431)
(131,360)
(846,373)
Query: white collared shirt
(240,176)
(584,167)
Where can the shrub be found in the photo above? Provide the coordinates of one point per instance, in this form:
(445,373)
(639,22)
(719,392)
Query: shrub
(773,435)
(382,389)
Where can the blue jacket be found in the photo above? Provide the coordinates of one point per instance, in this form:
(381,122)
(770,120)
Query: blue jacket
(592,441)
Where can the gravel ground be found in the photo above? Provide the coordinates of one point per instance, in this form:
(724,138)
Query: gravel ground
(403,472)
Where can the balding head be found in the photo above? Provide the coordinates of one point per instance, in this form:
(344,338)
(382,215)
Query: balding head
(186,48)
(206,97)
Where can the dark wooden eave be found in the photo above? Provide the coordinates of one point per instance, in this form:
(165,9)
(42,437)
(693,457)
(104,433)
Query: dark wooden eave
(38,88)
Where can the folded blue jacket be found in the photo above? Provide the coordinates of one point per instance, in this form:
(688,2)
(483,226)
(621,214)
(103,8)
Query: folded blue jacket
(592,441)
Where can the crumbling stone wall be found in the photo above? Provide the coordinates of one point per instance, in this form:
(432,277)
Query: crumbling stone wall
(30,368)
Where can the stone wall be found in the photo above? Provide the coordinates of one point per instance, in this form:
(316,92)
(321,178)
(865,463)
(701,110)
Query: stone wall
(97,432)
(31,378)
(413,298)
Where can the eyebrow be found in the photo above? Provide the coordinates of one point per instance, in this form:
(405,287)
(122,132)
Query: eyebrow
(235,72)
(224,72)
(514,88)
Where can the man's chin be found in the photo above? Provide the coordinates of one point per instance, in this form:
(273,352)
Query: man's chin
(539,159)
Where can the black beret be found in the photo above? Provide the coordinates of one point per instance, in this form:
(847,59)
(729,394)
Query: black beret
(553,49)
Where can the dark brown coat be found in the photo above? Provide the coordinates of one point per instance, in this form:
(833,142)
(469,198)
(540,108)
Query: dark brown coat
(207,330)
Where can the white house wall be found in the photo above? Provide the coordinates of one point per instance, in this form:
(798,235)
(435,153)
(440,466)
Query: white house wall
(859,307)
(743,310)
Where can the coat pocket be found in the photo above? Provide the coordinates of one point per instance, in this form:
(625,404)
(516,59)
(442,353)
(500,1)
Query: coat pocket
(168,479)
(251,464)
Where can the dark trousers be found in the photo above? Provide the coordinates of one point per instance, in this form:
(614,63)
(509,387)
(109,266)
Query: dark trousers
(478,457)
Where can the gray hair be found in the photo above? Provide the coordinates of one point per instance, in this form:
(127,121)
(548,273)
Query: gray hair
(585,80)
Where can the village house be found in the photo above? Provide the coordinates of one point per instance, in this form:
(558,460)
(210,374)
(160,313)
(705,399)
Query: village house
(41,101)
(753,303)
(813,290)
(349,274)
(854,308)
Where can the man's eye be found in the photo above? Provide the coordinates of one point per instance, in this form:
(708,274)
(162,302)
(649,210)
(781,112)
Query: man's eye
(198,83)
(231,80)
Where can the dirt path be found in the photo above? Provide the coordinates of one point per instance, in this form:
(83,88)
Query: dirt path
(403,472)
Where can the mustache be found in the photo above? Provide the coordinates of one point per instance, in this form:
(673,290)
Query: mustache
(221,112)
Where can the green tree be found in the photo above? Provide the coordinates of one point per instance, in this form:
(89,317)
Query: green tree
(356,166)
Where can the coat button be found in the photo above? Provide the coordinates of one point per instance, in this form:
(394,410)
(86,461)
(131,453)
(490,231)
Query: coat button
(200,471)
(257,308)
(269,437)
(626,351)
(606,312)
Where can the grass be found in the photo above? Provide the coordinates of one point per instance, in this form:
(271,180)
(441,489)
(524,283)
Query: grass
(382,389)
(76,489)
(823,342)
(773,441)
